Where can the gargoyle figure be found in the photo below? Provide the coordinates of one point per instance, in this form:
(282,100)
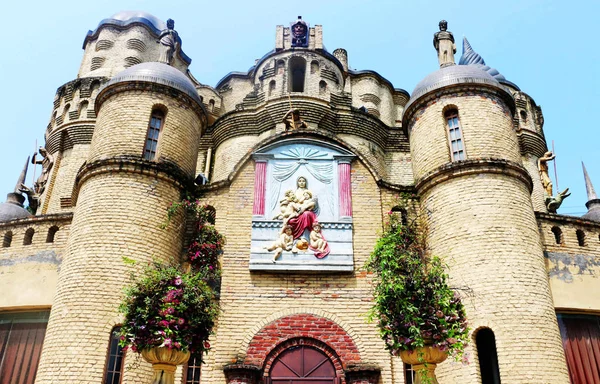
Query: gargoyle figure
(554,202)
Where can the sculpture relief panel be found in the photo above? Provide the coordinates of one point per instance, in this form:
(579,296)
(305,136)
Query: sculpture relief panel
(302,208)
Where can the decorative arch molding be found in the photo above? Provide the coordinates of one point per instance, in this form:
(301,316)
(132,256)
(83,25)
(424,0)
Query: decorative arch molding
(289,312)
(271,340)
(316,136)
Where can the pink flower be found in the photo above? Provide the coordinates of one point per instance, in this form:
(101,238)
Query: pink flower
(178,280)
(181,321)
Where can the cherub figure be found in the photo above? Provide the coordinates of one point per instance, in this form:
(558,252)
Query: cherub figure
(316,238)
(308,204)
(287,206)
(285,242)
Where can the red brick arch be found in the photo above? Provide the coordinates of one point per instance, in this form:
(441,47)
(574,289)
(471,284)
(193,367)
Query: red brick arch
(316,331)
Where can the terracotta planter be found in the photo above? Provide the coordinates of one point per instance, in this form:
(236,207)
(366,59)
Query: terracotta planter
(424,360)
(164,363)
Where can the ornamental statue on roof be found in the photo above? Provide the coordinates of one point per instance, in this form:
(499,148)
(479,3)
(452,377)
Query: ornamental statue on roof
(169,40)
(443,41)
(299,32)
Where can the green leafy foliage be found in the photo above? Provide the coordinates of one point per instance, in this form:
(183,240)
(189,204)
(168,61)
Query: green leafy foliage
(413,303)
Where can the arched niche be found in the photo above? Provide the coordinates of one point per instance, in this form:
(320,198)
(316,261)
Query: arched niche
(302,186)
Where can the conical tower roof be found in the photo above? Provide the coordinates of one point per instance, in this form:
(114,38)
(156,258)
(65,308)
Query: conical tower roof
(593,203)
(470,57)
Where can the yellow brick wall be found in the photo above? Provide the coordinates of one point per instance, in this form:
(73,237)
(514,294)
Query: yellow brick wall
(486,126)
(574,270)
(250,299)
(70,162)
(122,127)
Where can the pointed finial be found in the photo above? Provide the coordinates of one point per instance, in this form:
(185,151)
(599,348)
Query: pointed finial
(591,194)
(469,56)
(22,177)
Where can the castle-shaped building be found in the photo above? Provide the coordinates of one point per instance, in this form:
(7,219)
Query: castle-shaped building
(135,131)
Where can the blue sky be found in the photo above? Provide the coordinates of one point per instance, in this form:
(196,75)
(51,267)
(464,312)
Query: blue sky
(548,48)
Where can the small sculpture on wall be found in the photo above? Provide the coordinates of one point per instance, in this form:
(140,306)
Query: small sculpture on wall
(299,31)
(169,40)
(552,202)
(285,242)
(293,120)
(47,162)
(317,241)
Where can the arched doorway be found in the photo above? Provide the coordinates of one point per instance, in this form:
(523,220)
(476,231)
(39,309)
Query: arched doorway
(302,364)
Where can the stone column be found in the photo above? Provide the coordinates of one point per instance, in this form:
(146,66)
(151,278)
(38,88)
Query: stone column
(242,374)
(345,187)
(260,185)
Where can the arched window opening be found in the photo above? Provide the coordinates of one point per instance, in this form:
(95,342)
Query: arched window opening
(94,87)
(558,238)
(211,105)
(455,138)
(113,370)
(7,239)
(297,74)
(51,233)
(154,127)
(580,237)
(192,370)
(28,239)
(65,113)
(322,87)
(401,214)
(271,87)
(314,67)
(523,116)
(310,365)
(488,356)
(83,107)
(211,214)
(280,67)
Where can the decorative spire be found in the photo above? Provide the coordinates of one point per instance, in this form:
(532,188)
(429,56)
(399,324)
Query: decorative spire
(469,56)
(21,180)
(591,194)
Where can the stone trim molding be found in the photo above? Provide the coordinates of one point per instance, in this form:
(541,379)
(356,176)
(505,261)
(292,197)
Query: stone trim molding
(146,86)
(436,94)
(54,217)
(556,218)
(295,311)
(163,170)
(473,167)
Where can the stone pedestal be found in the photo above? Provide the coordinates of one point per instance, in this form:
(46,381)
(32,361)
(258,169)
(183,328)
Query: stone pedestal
(424,361)
(242,374)
(164,363)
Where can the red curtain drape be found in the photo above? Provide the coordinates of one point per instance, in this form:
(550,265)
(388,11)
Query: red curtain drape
(20,349)
(581,341)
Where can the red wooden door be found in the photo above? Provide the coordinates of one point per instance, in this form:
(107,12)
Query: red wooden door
(302,365)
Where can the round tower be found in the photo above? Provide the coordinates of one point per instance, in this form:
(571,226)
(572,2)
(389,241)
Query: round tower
(476,197)
(142,157)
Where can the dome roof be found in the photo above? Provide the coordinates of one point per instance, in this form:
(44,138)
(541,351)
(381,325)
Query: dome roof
(11,211)
(159,73)
(593,212)
(454,74)
(128,17)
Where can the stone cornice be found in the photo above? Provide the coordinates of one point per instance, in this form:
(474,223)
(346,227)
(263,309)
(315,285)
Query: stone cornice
(563,219)
(79,132)
(51,218)
(163,170)
(531,142)
(473,167)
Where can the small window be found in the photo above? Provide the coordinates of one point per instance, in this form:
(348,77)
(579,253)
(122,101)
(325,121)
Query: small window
(557,235)
(51,233)
(7,239)
(156,124)
(523,116)
(211,214)
(314,67)
(83,107)
(114,361)
(488,356)
(280,67)
(297,72)
(580,237)
(66,112)
(28,239)
(271,87)
(191,371)
(409,374)
(401,212)
(455,137)
(211,105)
(322,87)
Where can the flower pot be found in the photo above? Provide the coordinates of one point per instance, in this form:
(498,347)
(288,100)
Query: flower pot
(424,360)
(164,363)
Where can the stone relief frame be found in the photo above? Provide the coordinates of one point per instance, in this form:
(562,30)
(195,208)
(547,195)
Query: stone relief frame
(305,186)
